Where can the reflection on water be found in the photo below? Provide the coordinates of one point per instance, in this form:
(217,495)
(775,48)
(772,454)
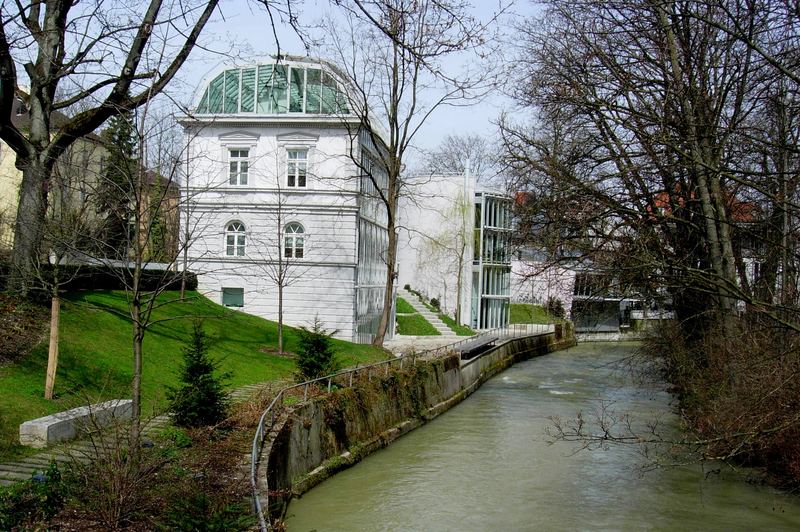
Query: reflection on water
(487,465)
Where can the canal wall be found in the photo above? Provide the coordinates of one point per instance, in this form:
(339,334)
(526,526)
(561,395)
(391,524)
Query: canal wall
(318,438)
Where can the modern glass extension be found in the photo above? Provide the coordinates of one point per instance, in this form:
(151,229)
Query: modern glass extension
(491,265)
(279,88)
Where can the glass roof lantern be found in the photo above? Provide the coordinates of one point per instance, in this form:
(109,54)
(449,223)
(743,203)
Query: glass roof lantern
(277,88)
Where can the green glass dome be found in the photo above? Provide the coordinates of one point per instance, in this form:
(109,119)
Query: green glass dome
(269,89)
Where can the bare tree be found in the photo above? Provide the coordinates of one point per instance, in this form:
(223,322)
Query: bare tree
(115,57)
(460,154)
(665,153)
(391,53)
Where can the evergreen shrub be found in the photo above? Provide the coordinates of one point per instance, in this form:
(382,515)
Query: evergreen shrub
(315,357)
(201,399)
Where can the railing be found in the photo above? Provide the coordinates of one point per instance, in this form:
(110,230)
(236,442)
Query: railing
(345,378)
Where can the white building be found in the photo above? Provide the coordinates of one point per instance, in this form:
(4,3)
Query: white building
(276,203)
(453,246)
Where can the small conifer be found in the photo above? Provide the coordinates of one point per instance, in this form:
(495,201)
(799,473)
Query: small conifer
(315,358)
(201,399)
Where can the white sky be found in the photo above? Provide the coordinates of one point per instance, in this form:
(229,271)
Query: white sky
(243,29)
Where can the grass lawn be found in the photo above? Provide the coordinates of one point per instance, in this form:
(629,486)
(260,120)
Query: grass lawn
(461,330)
(96,356)
(415,325)
(526,313)
(404,307)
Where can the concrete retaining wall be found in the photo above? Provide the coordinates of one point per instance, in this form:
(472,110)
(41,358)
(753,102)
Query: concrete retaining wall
(335,431)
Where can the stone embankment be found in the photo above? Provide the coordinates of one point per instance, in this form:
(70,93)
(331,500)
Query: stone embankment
(332,432)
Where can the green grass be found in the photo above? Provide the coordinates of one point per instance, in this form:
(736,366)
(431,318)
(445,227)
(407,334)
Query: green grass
(96,356)
(415,325)
(526,313)
(461,330)
(404,307)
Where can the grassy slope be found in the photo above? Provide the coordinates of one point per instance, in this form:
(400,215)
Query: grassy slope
(95,357)
(415,325)
(526,313)
(461,330)
(404,307)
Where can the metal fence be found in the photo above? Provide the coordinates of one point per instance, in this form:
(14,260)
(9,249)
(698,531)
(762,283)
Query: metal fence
(345,378)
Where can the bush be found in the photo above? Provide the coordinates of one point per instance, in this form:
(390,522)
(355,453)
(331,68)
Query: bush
(201,400)
(315,357)
(435,303)
(555,307)
(27,503)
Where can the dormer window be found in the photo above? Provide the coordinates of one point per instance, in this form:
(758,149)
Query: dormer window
(238,166)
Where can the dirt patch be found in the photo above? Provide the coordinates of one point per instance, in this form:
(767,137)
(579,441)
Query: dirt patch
(271,350)
(22,326)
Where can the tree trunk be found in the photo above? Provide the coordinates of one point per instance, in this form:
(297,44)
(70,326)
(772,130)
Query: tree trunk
(391,259)
(280,318)
(52,355)
(29,225)
(136,382)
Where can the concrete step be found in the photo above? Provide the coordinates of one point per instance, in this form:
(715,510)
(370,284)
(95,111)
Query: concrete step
(432,317)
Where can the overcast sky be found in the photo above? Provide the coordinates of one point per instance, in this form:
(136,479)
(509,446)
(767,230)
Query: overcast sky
(243,30)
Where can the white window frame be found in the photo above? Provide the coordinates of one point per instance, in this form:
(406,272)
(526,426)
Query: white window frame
(239,243)
(290,241)
(235,173)
(293,177)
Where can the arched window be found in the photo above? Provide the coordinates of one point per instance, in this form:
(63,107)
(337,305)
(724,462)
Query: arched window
(293,243)
(234,239)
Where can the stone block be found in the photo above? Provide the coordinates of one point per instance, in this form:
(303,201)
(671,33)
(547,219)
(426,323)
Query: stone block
(67,425)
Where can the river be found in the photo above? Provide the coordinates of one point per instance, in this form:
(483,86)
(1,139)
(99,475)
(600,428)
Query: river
(487,464)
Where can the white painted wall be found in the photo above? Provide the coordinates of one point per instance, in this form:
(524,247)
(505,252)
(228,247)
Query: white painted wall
(431,215)
(322,282)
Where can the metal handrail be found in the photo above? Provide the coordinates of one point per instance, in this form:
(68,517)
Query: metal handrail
(264,523)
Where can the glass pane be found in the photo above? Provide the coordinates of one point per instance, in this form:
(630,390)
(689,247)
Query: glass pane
(243,173)
(301,175)
(215,95)
(233,297)
(248,90)
(264,92)
(231,91)
(313,90)
(279,92)
(328,94)
(232,173)
(202,107)
(297,90)
(298,253)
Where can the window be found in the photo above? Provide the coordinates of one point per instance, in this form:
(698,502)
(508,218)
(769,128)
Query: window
(293,244)
(234,239)
(233,297)
(238,166)
(296,168)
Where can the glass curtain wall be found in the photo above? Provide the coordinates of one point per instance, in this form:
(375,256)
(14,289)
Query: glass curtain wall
(491,282)
(274,89)
(373,241)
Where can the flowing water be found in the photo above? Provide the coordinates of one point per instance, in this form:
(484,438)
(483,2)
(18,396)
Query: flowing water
(487,464)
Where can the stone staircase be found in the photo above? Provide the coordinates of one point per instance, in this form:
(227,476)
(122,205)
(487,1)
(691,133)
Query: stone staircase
(432,318)
(81,450)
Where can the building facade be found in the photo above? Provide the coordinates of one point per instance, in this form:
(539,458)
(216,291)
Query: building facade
(277,216)
(454,246)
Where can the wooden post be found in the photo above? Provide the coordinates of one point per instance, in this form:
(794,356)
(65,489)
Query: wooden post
(52,355)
